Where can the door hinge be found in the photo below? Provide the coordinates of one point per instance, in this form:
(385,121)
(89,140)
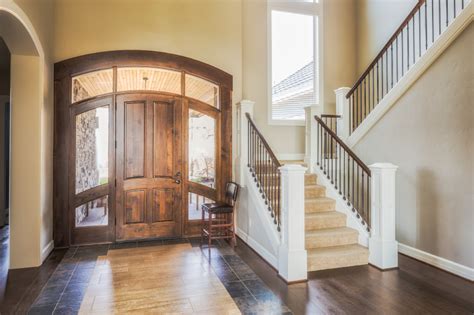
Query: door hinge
(116,144)
(115,182)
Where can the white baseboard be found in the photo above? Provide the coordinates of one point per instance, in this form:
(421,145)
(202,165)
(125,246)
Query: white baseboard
(290,156)
(47,250)
(262,251)
(439,262)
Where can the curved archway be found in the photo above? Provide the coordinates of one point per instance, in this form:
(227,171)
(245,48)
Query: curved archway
(28,190)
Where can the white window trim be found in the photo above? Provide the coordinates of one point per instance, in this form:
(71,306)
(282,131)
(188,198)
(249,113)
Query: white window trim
(308,8)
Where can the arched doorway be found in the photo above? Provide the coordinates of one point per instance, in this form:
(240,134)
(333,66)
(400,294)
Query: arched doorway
(141,140)
(30,242)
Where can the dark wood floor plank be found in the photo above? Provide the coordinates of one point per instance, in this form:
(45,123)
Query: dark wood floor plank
(414,288)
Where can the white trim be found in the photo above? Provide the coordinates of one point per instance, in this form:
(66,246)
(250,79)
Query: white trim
(290,156)
(47,250)
(262,251)
(439,46)
(342,207)
(439,262)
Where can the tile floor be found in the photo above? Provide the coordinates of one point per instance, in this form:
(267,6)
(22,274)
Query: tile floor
(65,290)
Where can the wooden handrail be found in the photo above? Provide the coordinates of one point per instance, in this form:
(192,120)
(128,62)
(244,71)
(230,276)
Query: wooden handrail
(343,145)
(264,142)
(387,45)
(330,116)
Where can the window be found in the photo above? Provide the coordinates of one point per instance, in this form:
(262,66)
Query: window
(92,84)
(92,149)
(294,63)
(202,90)
(202,149)
(148,79)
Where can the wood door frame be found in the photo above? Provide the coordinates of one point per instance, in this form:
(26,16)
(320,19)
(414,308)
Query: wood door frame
(63,73)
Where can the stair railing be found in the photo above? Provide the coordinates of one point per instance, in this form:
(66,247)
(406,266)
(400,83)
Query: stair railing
(349,175)
(264,167)
(423,25)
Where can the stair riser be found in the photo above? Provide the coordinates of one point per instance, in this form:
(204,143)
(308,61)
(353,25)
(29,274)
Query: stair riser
(322,263)
(313,192)
(331,240)
(325,223)
(311,207)
(310,179)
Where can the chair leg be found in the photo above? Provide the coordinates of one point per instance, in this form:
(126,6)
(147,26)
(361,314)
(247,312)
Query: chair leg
(210,234)
(234,240)
(202,228)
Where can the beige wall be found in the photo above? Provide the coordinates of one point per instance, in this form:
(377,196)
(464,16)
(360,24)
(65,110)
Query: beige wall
(429,134)
(338,66)
(377,20)
(28,31)
(207,30)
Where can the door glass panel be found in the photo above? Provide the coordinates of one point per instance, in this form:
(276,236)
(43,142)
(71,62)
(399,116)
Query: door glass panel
(92,148)
(92,84)
(202,90)
(202,149)
(93,213)
(148,79)
(195,202)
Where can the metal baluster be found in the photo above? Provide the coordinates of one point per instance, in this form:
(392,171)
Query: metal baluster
(378,83)
(391,66)
(403,52)
(447,14)
(419,32)
(426,25)
(414,41)
(408,46)
(432,21)
(363,191)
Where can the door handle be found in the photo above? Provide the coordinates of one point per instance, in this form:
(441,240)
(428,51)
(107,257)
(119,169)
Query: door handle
(177,178)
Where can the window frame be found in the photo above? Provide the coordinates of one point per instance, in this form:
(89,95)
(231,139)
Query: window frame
(314,9)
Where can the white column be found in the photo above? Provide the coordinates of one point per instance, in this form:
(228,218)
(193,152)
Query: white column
(342,109)
(310,135)
(292,257)
(245,106)
(383,247)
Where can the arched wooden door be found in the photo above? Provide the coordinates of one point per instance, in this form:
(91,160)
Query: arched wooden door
(142,139)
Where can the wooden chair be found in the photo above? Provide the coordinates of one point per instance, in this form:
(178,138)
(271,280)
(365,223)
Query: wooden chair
(220,221)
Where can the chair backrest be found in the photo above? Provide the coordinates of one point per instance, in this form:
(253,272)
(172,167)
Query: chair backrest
(231,192)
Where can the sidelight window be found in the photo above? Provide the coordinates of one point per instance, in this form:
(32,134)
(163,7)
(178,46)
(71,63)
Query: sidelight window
(92,148)
(195,201)
(93,213)
(202,149)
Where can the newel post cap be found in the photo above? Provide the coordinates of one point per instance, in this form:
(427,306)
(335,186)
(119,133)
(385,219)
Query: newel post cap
(292,168)
(342,90)
(383,166)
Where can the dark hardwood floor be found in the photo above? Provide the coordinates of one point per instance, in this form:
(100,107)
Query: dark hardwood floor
(20,287)
(414,288)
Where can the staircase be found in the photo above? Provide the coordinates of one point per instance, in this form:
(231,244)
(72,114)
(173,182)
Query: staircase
(329,242)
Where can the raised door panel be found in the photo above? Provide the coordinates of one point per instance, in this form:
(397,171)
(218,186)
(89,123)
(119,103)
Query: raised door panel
(135,124)
(163,205)
(163,141)
(135,205)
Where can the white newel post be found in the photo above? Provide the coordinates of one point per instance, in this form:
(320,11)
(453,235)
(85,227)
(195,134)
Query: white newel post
(342,109)
(383,246)
(292,256)
(311,135)
(243,107)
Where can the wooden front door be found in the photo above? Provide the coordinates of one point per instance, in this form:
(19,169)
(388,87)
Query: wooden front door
(149,166)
